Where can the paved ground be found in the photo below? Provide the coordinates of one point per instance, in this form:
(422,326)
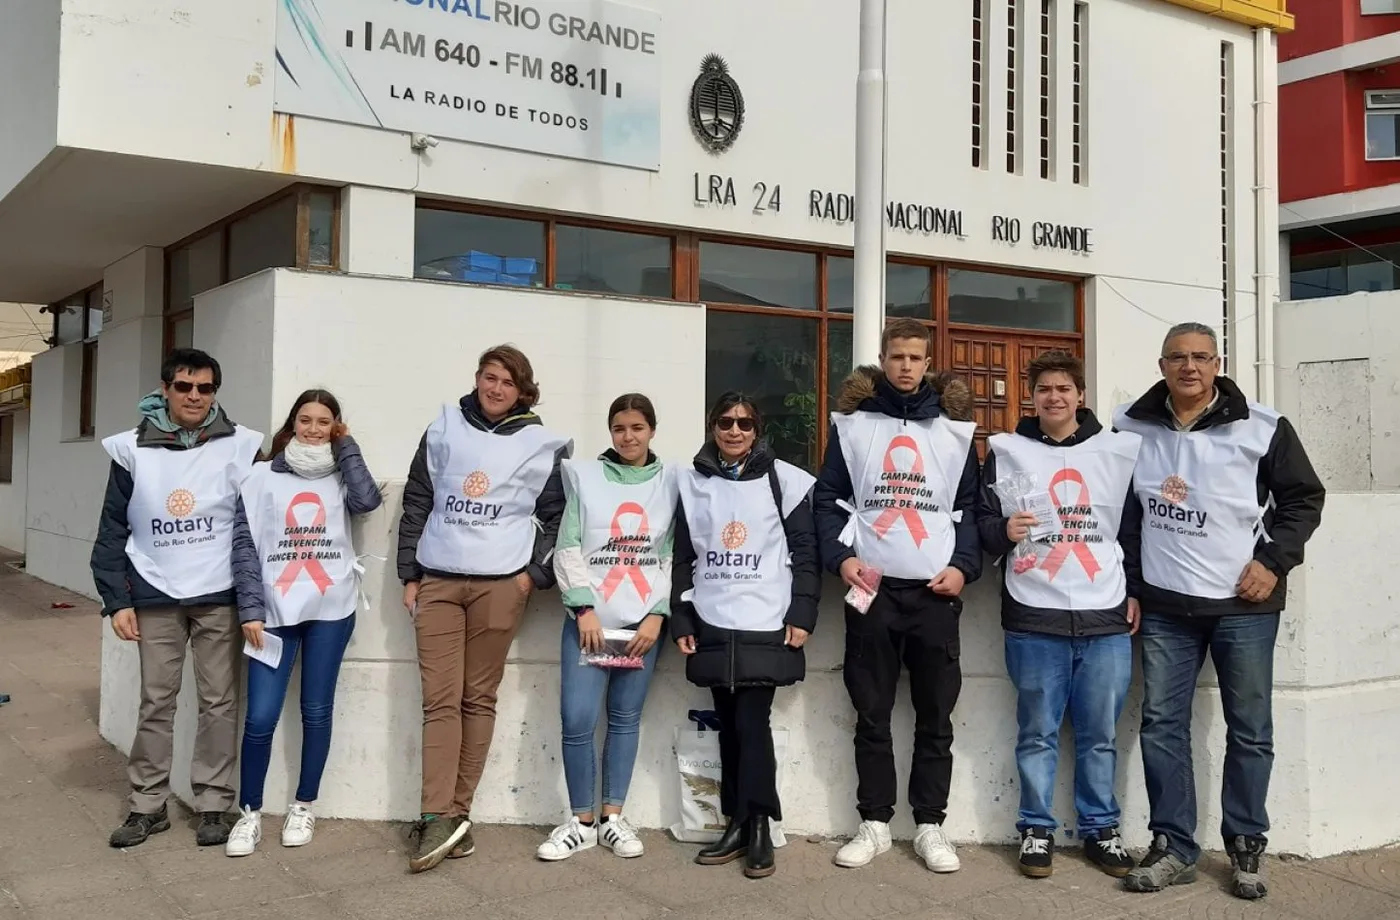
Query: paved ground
(62,788)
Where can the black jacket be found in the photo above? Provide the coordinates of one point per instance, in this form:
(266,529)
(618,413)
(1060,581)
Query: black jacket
(1284,473)
(418,500)
(867,390)
(118,583)
(738,658)
(991,523)
(361,497)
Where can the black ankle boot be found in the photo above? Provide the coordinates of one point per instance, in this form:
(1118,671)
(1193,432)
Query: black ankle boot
(729,847)
(760,862)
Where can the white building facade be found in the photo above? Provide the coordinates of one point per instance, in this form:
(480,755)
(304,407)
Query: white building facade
(365,194)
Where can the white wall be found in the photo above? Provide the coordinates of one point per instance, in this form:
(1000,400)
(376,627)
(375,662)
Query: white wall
(29,56)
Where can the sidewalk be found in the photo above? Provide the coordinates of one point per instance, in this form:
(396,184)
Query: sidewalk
(62,790)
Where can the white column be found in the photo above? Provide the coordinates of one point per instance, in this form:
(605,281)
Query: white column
(869,312)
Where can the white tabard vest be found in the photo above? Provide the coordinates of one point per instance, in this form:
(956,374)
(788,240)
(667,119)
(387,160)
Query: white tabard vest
(1200,500)
(743,576)
(301,528)
(905,477)
(182,508)
(621,530)
(1082,567)
(484,491)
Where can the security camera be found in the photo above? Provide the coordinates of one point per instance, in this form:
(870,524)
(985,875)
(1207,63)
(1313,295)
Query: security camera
(421,142)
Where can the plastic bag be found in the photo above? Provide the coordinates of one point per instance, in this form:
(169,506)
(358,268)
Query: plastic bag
(614,651)
(698,765)
(862,598)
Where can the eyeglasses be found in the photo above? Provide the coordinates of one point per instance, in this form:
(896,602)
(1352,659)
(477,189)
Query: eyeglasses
(184,386)
(726,422)
(1178,359)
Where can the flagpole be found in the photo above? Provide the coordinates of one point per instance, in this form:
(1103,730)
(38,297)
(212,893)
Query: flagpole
(869,304)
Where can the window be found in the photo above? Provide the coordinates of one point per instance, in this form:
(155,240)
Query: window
(612,262)
(7,448)
(323,228)
(87,400)
(264,239)
(1227,195)
(757,277)
(774,359)
(78,322)
(1047,89)
(1013,95)
(1079,97)
(1377,7)
(979,88)
(1332,274)
(78,318)
(986,299)
(481,248)
(908,288)
(1383,125)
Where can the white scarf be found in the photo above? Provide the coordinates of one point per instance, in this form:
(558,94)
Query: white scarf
(309,461)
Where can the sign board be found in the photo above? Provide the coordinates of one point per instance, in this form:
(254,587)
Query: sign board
(569,78)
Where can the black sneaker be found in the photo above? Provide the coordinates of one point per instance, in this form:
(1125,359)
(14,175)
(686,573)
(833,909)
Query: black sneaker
(1159,869)
(213,829)
(1037,852)
(1247,881)
(138,827)
(1104,848)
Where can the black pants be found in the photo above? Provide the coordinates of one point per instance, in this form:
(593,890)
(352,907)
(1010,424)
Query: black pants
(748,769)
(906,624)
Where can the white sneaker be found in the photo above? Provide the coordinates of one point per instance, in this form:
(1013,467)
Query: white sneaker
(567,839)
(872,838)
(618,835)
(934,847)
(246,834)
(299,825)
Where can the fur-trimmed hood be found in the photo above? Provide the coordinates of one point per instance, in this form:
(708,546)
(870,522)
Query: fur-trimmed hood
(949,395)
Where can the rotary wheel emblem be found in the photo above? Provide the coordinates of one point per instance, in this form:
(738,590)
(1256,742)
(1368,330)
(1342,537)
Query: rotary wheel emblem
(180,503)
(733,535)
(476,485)
(1174,489)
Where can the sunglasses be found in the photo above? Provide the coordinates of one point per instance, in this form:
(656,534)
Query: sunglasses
(184,386)
(726,422)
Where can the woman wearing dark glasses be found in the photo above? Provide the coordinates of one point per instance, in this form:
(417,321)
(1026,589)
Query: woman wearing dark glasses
(745,587)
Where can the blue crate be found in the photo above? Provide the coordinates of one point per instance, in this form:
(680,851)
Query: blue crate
(521,266)
(483,261)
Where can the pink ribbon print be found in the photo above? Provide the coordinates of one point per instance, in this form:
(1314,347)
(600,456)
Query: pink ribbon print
(311,566)
(1062,550)
(913,478)
(627,551)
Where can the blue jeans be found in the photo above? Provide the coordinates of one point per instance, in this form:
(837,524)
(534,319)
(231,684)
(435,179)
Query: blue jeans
(1089,677)
(582,688)
(1173,651)
(322,644)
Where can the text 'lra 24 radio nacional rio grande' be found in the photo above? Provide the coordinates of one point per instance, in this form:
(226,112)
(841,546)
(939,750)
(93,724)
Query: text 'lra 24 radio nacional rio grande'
(570,78)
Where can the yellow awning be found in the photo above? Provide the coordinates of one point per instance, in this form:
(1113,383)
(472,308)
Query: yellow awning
(1271,14)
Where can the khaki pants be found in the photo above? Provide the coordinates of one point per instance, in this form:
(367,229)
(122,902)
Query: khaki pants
(464,628)
(214,635)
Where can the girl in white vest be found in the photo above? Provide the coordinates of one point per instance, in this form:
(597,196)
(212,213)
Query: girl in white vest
(481,511)
(297,580)
(613,562)
(743,602)
(1072,580)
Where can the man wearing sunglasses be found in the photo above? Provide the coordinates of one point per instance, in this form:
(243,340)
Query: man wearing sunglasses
(162,563)
(901,455)
(1229,499)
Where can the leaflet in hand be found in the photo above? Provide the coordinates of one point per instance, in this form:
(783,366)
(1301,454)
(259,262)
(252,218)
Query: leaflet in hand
(862,598)
(1047,519)
(614,651)
(271,652)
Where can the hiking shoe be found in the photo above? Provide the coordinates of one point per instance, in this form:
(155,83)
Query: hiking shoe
(1104,848)
(299,825)
(872,838)
(1247,881)
(1159,869)
(1037,852)
(213,829)
(617,834)
(246,834)
(138,827)
(573,836)
(936,850)
(436,836)
(466,846)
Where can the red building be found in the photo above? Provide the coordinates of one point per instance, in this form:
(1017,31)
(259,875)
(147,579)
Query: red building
(1339,146)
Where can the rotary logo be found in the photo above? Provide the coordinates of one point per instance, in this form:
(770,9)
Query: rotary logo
(476,485)
(180,503)
(1174,489)
(733,535)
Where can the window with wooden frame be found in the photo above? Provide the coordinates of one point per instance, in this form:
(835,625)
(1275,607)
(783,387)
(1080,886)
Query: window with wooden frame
(778,314)
(77,320)
(298,227)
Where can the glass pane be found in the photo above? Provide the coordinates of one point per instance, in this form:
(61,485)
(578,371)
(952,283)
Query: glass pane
(1370,276)
(611,262)
(1381,142)
(94,321)
(70,321)
(321,223)
(908,288)
(1328,281)
(455,246)
(985,299)
(838,360)
(195,268)
(182,333)
(1380,6)
(265,239)
(757,277)
(774,360)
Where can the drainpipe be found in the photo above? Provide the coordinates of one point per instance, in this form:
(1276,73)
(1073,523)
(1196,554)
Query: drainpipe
(869,306)
(1266,235)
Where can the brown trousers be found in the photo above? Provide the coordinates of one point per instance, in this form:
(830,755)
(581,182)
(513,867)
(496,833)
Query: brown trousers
(464,628)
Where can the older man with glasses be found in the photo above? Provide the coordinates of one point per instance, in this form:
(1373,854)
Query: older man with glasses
(1229,499)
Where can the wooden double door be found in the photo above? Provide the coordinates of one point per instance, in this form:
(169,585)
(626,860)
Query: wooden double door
(994,361)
